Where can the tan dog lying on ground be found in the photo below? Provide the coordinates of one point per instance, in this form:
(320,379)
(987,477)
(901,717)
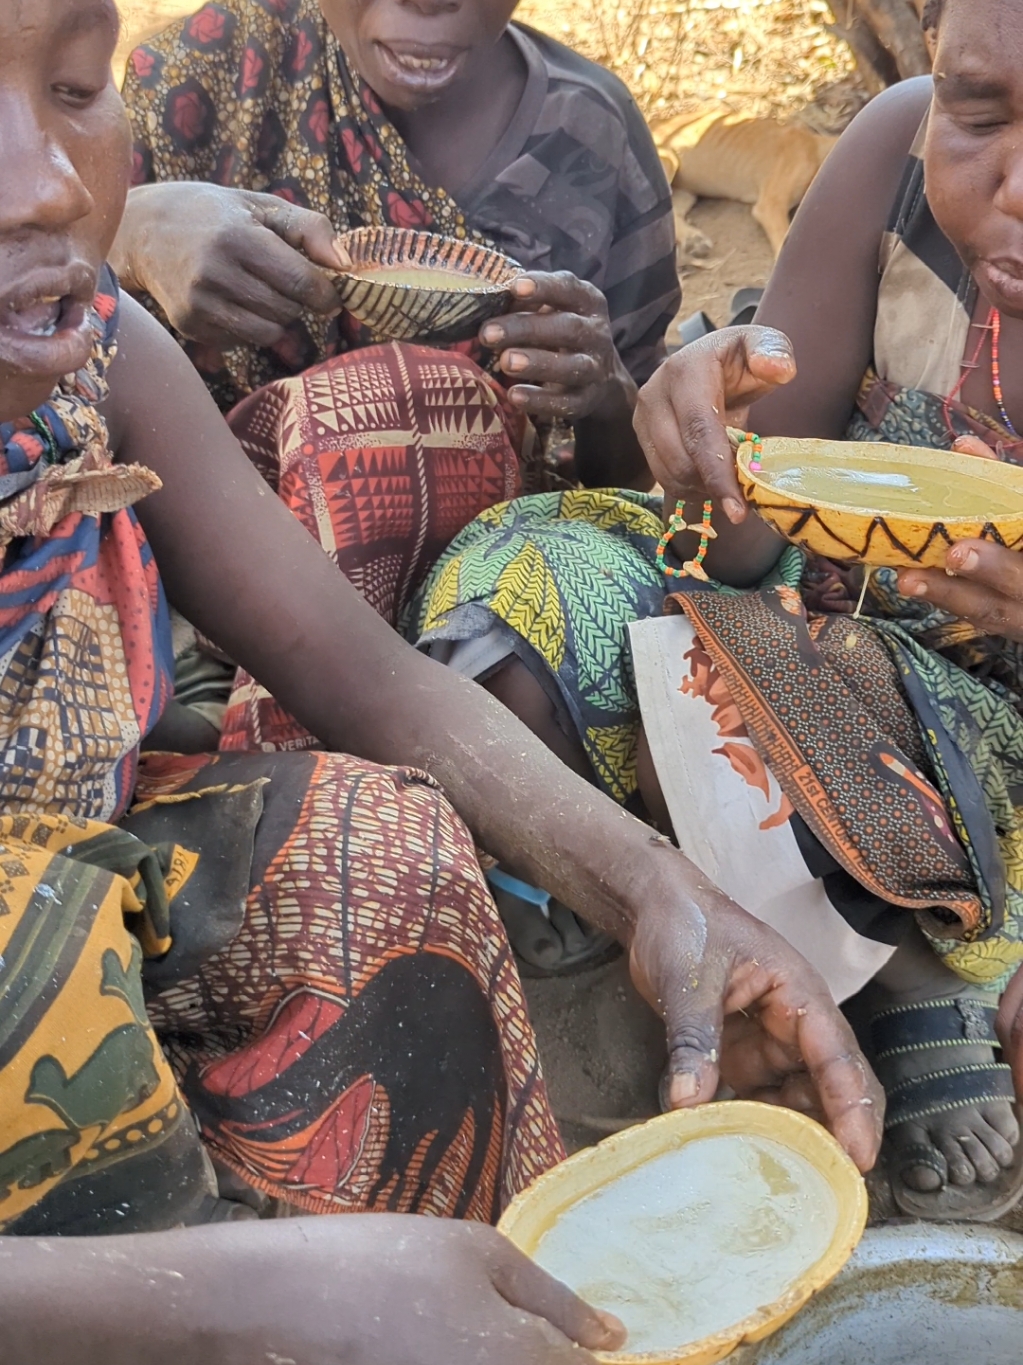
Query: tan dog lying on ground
(757,161)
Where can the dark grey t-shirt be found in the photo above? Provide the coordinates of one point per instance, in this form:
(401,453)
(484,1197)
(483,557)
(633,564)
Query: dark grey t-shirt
(576,184)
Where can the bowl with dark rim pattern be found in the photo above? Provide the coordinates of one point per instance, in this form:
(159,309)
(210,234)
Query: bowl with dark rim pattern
(417,286)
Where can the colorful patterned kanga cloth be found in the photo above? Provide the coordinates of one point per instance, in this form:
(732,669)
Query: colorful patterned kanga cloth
(562,575)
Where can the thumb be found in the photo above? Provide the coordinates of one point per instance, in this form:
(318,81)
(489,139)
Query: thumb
(303,229)
(690,999)
(768,361)
(526,1285)
(974,445)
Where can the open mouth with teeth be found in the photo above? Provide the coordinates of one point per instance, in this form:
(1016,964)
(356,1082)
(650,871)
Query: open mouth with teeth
(38,318)
(420,68)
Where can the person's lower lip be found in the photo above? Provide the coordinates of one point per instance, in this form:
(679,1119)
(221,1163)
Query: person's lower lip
(48,356)
(1004,286)
(413,75)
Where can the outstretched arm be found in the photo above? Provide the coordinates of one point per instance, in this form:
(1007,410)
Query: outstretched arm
(311,1291)
(239,566)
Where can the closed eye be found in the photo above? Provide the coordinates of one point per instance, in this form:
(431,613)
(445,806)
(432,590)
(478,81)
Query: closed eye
(77,96)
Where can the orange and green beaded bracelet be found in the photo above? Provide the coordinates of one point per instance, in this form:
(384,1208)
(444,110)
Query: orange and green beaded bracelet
(691,568)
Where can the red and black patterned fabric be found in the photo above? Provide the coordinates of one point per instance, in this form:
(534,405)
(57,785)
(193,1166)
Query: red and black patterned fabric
(384,455)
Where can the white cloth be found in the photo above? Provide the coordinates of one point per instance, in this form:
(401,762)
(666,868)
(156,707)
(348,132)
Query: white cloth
(729,814)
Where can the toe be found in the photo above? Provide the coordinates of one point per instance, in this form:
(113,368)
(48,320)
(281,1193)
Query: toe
(909,1140)
(960,1167)
(1002,1118)
(1002,1148)
(984,1164)
(924,1179)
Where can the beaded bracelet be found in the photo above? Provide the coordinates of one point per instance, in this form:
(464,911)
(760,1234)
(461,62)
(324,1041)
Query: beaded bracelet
(691,568)
(758,450)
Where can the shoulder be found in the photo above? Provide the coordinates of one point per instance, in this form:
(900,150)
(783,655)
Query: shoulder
(569,68)
(590,126)
(575,80)
(883,133)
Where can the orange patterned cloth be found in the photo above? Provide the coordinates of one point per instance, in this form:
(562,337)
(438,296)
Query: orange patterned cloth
(362,1043)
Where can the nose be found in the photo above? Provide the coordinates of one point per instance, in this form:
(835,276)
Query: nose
(1009,196)
(42,190)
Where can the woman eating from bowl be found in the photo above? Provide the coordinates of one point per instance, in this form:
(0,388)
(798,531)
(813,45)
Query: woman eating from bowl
(236,985)
(877,763)
(261,131)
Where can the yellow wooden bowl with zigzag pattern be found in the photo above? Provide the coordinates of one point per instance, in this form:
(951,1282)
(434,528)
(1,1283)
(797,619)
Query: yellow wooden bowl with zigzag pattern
(882,505)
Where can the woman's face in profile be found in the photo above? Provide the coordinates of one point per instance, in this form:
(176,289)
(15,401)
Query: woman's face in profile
(410,52)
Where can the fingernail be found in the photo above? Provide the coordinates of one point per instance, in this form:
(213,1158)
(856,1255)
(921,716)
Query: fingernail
(614,1329)
(684,1086)
(917,589)
(519,397)
(492,334)
(515,361)
(341,253)
(964,561)
(733,509)
(523,286)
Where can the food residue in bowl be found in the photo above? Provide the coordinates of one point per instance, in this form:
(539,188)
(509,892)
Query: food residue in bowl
(695,1240)
(892,486)
(422,277)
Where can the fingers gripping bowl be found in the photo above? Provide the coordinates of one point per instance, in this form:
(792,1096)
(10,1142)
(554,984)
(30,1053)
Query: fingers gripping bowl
(881,505)
(417,286)
(701,1229)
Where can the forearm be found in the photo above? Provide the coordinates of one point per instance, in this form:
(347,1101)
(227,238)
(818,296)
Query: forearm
(221,1294)
(89,1301)
(543,822)
(239,566)
(351,680)
(607,451)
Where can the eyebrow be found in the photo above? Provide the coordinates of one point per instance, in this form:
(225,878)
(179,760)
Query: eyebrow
(100,14)
(962,85)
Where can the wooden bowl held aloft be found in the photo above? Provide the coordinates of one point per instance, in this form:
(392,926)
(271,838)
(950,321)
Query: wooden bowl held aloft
(533,1214)
(459,284)
(881,505)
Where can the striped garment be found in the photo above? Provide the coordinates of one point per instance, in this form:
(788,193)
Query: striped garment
(258,95)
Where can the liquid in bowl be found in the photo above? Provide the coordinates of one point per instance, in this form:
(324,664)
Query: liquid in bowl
(892,486)
(695,1239)
(424,277)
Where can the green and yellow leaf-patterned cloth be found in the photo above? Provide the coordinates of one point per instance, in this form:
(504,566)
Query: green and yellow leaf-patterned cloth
(561,575)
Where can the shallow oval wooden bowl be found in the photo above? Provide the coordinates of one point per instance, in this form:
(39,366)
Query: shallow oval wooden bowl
(531,1214)
(411,312)
(876,535)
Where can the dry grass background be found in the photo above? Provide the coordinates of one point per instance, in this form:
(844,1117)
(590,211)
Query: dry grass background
(760,56)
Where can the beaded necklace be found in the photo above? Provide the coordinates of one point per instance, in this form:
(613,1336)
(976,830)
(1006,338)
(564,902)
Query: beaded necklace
(994,326)
(995,323)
